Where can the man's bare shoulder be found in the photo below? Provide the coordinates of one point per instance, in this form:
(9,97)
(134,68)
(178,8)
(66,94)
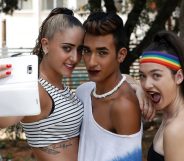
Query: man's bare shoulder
(126,97)
(125,111)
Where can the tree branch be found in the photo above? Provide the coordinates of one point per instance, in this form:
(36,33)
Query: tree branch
(181,20)
(133,17)
(159,24)
(95,5)
(109,5)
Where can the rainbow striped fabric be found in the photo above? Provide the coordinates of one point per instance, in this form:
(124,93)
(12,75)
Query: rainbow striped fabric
(162,58)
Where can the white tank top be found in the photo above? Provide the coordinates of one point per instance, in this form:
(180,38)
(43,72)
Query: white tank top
(99,144)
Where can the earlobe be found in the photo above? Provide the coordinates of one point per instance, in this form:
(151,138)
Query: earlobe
(44,43)
(122,54)
(179,76)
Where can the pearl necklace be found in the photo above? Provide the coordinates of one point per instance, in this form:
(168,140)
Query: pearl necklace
(111,91)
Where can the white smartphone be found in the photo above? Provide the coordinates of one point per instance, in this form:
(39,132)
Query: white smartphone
(19,94)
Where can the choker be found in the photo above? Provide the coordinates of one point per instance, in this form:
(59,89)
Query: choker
(111,91)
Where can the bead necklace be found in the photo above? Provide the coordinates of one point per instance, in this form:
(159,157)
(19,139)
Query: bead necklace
(111,91)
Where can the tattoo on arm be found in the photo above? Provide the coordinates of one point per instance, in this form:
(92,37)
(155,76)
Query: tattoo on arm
(55,149)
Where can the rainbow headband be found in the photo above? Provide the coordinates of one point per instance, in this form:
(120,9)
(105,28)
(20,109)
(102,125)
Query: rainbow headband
(162,58)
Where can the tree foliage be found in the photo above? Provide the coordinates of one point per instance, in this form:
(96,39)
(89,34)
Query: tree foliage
(8,6)
(95,5)
(138,17)
(181,19)
(161,10)
(159,23)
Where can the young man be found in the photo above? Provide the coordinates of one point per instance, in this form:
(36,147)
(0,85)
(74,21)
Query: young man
(111,129)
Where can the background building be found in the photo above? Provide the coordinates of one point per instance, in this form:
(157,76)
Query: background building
(21,29)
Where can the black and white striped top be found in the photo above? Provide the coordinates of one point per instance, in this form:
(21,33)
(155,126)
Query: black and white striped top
(62,124)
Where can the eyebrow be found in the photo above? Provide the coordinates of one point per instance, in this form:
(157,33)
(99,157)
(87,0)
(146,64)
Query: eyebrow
(98,48)
(101,48)
(152,71)
(156,70)
(68,44)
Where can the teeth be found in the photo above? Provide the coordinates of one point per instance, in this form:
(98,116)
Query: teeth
(93,70)
(69,65)
(151,93)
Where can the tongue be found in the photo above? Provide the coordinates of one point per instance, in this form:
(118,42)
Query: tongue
(156,97)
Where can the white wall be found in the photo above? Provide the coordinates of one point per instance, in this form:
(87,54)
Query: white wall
(21,31)
(22,28)
(74,4)
(81,3)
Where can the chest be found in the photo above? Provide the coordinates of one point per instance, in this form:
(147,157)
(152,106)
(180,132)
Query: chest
(101,111)
(158,141)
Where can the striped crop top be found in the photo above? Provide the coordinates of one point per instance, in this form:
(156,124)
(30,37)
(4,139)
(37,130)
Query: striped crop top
(62,124)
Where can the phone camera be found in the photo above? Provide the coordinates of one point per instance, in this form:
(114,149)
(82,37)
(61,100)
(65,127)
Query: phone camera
(29,69)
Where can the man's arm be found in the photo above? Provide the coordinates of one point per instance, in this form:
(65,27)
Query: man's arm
(148,111)
(9,121)
(126,116)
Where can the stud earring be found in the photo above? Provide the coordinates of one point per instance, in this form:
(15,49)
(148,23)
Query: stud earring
(45,52)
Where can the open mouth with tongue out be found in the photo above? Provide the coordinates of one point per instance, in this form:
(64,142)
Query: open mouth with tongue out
(155,97)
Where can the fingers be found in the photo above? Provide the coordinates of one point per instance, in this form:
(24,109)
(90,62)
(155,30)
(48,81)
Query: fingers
(141,101)
(152,115)
(5,66)
(148,111)
(140,94)
(3,72)
(145,104)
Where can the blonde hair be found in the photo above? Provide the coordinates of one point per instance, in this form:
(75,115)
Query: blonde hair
(57,21)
